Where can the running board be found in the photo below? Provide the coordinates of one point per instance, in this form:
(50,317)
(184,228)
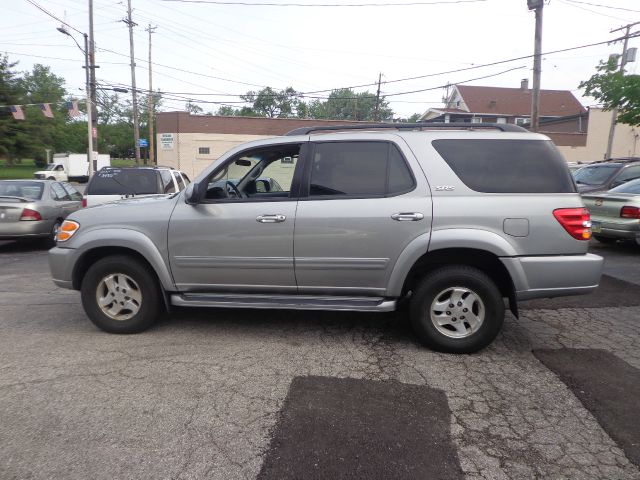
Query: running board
(292,302)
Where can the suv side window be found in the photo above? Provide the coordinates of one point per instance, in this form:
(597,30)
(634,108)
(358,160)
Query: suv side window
(507,166)
(167,181)
(256,175)
(359,169)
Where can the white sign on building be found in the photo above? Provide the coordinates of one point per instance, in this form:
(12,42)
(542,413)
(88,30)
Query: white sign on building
(166,140)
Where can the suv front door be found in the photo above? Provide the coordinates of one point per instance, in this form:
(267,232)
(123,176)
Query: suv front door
(237,238)
(360,206)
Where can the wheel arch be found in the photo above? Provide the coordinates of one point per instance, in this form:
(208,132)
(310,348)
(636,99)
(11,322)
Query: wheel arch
(92,255)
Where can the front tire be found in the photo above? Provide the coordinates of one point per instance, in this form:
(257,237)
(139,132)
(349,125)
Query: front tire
(120,295)
(457,309)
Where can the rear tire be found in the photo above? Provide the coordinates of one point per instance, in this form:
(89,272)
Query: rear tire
(50,241)
(606,240)
(457,309)
(120,295)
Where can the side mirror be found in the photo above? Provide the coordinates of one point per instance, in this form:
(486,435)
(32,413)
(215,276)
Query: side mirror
(192,193)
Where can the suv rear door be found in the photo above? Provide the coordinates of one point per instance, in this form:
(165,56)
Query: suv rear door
(361,203)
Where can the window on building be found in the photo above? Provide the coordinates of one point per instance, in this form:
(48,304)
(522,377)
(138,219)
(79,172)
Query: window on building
(501,120)
(204,151)
(476,119)
(521,121)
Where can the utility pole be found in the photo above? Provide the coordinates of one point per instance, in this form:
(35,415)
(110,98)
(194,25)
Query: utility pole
(150,105)
(92,89)
(134,94)
(376,115)
(89,107)
(623,62)
(536,5)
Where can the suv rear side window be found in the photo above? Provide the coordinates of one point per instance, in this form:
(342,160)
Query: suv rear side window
(124,181)
(362,169)
(507,166)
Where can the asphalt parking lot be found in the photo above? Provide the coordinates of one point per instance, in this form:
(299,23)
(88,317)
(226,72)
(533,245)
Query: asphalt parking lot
(233,394)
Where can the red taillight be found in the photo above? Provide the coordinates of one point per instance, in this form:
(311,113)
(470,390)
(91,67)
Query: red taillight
(84,202)
(630,212)
(576,221)
(31,215)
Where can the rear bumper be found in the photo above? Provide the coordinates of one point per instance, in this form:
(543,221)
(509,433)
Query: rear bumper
(25,229)
(554,276)
(629,230)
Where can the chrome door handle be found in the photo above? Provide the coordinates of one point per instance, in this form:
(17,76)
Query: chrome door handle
(407,217)
(270,218)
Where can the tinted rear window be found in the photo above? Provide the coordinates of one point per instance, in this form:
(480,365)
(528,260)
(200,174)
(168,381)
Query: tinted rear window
(507,166)
(123,181)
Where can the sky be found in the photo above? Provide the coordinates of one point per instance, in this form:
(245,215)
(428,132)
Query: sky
(203,50)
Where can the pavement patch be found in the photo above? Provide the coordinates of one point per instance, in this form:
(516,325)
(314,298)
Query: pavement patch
(612,292)
(349,428)
(607,386)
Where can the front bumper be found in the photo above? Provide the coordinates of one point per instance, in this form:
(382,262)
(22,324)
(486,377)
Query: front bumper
(554,276)
(61,262)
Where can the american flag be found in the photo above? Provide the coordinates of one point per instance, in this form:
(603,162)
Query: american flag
(16,111)
(46,110)
(73,108)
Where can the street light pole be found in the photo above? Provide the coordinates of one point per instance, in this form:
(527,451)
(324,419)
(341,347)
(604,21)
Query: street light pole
(88,90)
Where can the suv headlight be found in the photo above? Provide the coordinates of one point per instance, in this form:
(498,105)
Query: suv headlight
(67,230)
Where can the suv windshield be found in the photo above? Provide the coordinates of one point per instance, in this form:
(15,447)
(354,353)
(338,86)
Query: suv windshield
(595,174)
(125,181)
(31,190)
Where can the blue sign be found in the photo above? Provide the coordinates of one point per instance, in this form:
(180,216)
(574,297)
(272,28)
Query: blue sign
(142,142)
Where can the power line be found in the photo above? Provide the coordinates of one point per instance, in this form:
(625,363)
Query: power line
(177,96)
(603,6)
(590,11)
(400,4)
(53,16)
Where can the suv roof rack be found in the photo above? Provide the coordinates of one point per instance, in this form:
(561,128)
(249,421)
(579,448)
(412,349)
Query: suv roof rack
(504,127)
(619,160)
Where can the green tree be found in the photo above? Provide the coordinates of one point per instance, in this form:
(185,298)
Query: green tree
(272,103)
(345,104)
(414,118)
(41,86)
(193,108)
(614,89)
(10,94)
(227,111)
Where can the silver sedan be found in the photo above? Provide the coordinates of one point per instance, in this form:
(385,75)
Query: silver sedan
(35,208)
(615,214)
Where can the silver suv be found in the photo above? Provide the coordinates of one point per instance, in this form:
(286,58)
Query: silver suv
(454,219)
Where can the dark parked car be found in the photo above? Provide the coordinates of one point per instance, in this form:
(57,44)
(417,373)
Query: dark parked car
(602,176)
(35,208)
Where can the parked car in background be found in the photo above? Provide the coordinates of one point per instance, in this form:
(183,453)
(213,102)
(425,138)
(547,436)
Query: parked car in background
(575,166)
(602,176)
(67,167)
(113,183)
(35,208)
(615,215)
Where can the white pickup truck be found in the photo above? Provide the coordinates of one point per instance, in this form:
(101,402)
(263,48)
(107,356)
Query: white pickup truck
(67,167)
